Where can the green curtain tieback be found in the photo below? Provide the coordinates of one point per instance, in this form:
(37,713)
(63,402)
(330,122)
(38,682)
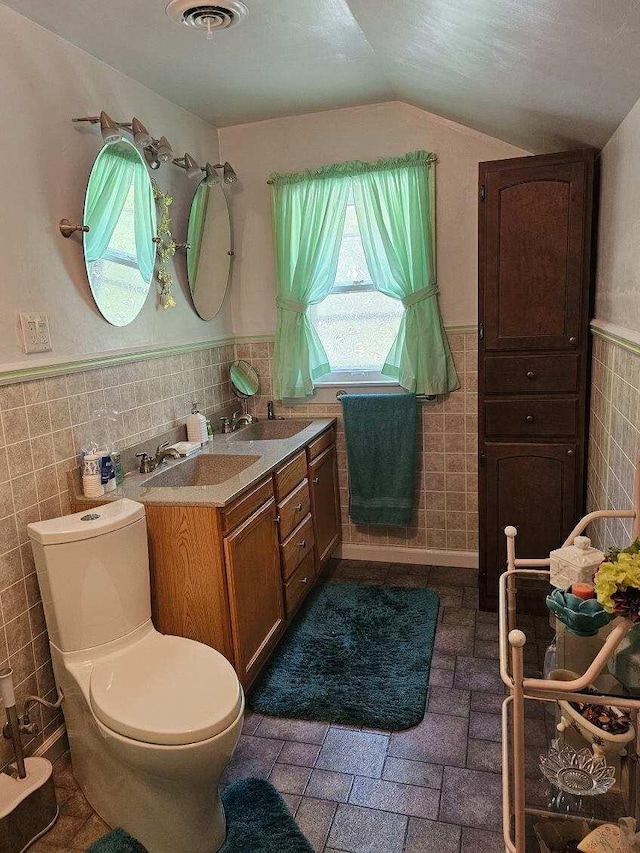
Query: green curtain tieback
(419,295)
(291,305)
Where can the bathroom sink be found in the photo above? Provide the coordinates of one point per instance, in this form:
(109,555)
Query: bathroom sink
(207,470)
(271,430)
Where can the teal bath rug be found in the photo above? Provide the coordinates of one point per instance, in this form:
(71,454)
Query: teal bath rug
(355,654)
(257,821)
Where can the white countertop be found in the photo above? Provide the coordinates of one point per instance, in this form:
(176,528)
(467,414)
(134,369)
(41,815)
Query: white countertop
(272,453)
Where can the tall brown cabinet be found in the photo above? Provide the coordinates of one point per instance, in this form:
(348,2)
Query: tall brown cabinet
(535,236)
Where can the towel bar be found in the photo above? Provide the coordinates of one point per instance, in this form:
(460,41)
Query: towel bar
(421,398)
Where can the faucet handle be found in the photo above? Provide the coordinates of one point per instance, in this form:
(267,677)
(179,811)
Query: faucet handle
(146,463)
(162,447)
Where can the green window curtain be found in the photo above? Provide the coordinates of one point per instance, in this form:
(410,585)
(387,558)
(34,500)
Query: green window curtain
(308,217)
(195,230)
(394,205)
(109,185)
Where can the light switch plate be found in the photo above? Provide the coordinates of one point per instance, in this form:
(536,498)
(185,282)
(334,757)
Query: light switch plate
(35,332)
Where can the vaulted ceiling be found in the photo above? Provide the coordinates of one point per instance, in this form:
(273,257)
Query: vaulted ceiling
(541,74)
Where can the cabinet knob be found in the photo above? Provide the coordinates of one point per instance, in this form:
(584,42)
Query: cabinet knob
(304,580)
(530,374)
(303,544)
(573,341)
(529,419)
(298,507)
(316,480)
(569,452)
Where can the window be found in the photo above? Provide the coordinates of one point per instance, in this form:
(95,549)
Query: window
(356,323)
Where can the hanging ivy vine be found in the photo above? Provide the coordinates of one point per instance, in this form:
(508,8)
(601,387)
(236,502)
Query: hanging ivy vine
(165,248)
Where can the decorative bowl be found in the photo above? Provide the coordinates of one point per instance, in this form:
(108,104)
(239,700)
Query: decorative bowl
(578,773)
(582,618)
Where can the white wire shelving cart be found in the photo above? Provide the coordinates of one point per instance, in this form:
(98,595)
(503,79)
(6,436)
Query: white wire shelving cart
(587,655)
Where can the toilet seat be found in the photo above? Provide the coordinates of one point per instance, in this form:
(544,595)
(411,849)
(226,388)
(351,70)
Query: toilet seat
(166,690)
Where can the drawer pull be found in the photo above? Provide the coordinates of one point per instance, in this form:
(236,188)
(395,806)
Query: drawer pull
(573,341)
(529,419)
(304,580)
(316,480)
(303,544)
(530,374)
(569,452)
(298,507)
(277,519)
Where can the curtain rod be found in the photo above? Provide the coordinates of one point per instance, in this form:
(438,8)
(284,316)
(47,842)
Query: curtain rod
(432,159)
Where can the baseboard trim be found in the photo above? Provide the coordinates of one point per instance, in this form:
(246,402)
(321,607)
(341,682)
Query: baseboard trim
(54,746)
(416,556)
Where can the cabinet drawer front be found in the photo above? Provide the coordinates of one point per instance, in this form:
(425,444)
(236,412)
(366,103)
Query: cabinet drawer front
(321,443)
(521,374)
(293,509)
(531,418)
(290,475)
(299,584)
(296,547)
(241,509)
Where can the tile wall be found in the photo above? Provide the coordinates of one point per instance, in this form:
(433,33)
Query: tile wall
(614,440)
(43,426)
(446,515)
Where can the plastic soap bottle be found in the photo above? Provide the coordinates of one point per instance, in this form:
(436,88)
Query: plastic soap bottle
(196,426)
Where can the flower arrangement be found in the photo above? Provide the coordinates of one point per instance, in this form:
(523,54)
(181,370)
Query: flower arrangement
(617,582)
(166,248)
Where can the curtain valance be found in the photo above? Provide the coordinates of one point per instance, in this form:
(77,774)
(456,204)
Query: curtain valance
(354,167)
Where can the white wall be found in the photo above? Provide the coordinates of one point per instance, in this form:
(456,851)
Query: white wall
(364,133)
(618,276)
(43,173)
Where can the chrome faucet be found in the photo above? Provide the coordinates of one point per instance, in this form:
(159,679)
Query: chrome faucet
(150,463)
(237,420)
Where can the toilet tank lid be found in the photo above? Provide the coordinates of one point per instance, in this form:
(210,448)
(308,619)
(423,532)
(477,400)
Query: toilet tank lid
(86,524)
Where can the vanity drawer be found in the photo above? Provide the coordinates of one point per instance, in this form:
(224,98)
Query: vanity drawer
(299,584)
(244,506)
(538,374)
(293,509)
(290,475)
(531,418)
(296,547)
(321,443)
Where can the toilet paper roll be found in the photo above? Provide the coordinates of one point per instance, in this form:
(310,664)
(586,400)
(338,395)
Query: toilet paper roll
(92,486)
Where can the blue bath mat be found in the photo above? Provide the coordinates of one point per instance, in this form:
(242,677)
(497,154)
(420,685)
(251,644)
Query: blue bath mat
(355,654)
(257,820)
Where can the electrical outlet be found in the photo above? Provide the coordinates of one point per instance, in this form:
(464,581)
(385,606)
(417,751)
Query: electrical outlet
(35,332)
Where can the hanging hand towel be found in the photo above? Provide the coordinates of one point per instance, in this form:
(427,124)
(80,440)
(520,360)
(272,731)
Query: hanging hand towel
(380,432)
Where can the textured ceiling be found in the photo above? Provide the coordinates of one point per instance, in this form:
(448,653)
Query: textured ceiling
(541,74)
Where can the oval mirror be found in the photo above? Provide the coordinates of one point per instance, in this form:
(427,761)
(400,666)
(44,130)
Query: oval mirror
(119,251)
(244,379)
(208,249)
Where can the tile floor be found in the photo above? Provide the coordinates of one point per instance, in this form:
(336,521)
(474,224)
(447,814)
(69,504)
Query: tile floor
(432,789)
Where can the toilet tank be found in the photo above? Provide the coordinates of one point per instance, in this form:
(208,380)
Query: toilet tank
(93,571)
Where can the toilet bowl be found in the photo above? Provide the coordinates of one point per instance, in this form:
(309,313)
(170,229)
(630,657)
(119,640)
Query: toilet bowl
(152,719)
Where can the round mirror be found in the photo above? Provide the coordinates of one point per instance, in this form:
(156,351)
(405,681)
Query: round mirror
(244,379)
(208,249)
(119,251)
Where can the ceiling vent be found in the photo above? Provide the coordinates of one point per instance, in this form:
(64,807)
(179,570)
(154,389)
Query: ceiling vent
(207,17)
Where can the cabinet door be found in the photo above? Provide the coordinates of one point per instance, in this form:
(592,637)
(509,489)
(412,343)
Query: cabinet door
(535,225)
(325,502)
(532,487)
(255,589)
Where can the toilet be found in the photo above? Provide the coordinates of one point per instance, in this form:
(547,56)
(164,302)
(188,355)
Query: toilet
(152,719)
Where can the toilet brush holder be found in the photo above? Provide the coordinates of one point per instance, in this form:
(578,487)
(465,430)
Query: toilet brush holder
(28,806)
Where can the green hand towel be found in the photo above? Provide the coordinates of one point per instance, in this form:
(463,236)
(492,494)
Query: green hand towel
(380,431)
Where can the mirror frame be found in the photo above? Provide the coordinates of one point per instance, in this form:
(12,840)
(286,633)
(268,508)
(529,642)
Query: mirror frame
(230,253)
(252,373)
(101,153)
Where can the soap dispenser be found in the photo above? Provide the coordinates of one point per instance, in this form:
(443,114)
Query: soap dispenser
(197,426)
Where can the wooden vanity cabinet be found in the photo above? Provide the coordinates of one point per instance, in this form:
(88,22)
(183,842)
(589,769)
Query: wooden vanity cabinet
(233,577)
(255,589)
(325,502)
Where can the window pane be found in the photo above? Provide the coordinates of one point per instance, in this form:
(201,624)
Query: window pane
(357,329)
(351,262)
